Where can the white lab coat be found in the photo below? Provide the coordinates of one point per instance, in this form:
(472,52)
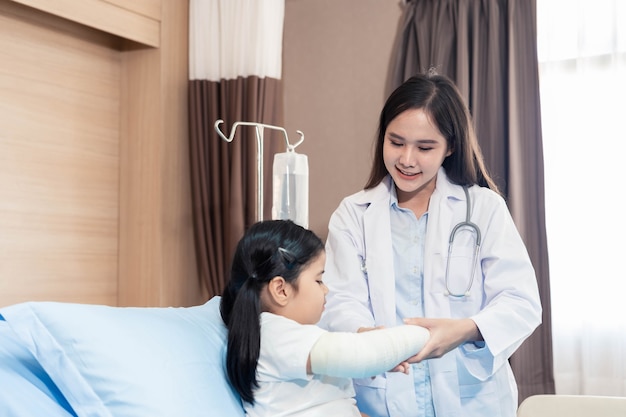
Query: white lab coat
(474,379)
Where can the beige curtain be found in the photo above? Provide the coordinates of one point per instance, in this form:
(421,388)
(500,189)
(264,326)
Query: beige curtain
(489,48)
(235,69)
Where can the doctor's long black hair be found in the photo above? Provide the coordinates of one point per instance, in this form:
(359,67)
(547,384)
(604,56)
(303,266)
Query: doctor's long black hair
(268,249)
(439,97)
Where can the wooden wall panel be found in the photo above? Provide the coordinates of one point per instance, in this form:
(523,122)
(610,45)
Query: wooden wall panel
(95,200)
(59,164)
(148,8)
(137,20)
(157,258)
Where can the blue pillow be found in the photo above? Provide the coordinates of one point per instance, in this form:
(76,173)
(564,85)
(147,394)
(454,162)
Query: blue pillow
(130,361)
(25,388)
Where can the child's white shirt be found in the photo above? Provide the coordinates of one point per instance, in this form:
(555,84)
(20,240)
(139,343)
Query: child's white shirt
(285,389)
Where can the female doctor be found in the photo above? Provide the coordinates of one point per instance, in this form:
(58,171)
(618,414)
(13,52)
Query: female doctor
(430,242)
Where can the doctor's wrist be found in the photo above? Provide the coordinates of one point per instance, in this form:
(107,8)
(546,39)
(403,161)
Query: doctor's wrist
(472,333)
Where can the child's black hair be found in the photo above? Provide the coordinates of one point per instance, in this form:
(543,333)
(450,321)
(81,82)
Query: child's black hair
(268,249)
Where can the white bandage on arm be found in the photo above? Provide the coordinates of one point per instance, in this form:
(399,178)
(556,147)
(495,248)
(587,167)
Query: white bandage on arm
(360,355)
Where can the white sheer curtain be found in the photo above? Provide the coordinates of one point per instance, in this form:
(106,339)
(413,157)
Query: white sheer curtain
(582,56)
(235,38)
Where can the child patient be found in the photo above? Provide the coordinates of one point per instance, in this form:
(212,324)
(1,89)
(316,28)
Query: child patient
(278,360)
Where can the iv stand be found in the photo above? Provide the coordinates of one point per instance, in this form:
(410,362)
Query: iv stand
(258,127)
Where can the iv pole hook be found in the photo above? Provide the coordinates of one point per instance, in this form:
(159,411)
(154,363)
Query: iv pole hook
(259,127)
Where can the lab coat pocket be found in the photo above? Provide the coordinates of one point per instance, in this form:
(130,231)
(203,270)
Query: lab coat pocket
(452,277)
(459,265)
(472,388)
(482,398)
(371,394)
(476,390)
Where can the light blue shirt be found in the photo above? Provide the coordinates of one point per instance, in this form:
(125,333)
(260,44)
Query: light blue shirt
(408,238)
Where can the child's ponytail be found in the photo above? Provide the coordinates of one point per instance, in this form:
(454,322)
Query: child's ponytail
(244,340)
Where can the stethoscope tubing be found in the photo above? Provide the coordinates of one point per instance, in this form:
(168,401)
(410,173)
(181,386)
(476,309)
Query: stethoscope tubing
(465,224)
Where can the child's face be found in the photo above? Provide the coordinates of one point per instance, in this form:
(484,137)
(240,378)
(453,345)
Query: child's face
(308,301)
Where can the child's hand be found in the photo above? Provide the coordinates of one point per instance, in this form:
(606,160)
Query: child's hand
(401,367)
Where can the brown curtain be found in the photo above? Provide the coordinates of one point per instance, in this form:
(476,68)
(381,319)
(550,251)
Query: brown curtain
(489,48)
(223,174)
(235,60)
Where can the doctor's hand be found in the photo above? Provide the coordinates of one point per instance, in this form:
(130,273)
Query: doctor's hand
(445,335)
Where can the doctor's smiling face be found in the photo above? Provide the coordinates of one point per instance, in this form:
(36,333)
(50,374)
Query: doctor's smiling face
(413,151)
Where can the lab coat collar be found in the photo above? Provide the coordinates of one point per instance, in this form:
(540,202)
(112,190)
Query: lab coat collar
(380,193)
(446,189)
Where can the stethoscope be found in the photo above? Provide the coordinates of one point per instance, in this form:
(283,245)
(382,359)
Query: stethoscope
(467,224)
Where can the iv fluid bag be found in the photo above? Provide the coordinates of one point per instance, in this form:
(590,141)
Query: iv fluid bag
(291,188)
